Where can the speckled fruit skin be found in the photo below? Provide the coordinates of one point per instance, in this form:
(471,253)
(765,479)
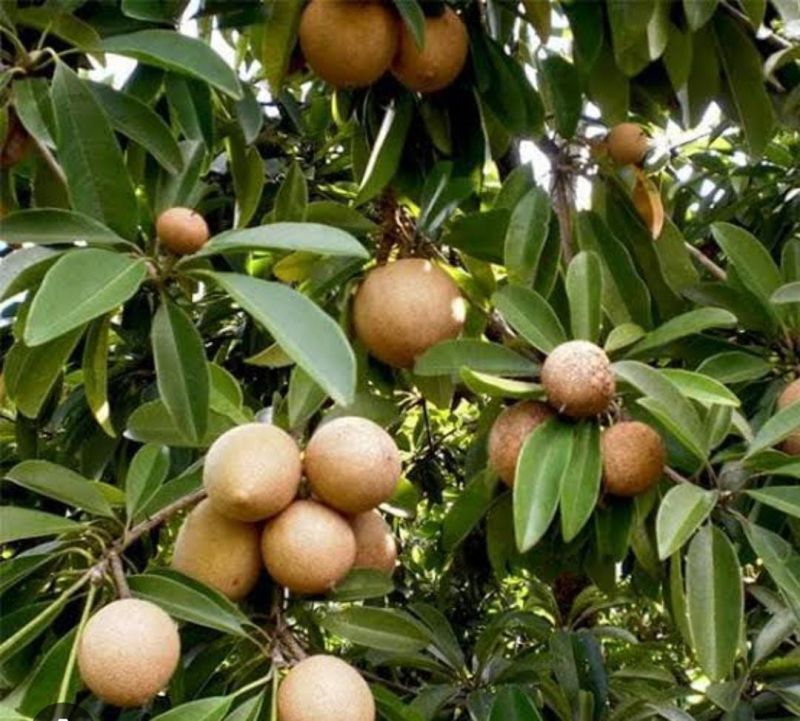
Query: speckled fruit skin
(509,433)
(348,44)
(633,458)
(182,230)
(627,144)
(352,464)
(219,551)
(252,472)
(789,396)
(308,548)
(403,308)
(440,61)
(324,688)
(578,379)
(375,544)
(128,652)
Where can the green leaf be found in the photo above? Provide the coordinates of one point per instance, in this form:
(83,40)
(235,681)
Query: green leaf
(152,423)
(623,336)
(61,24)
(303,399)
(44,685)
(379,628)
(146,474)
(81,286)
(181,369)
(24,268)
(51,226)
(715,601)
(734,367)
(191,106)
(695,321)
(307,334)
(291,200)
(385,156)
(247,169)
(584,285)
(97,179)
(701,388)
(668,417)
(278,38)
(561,88)
(784,498)
(497,387)
(360,584)
(204,709)
(581,481)
(629,21)
(172,51)
(699,12)
(442,633)
(414,19)
(539,14)
(755,10)
(780,560)
(741,62)
(17,524)
(469,508)
(788,293)
(35,109)
(62,484)
(167,11)
(95,372)
(330,213)
(451,356)
(609,87)
(18,568)
(181,188)
(481,235)
(531,316)
(526,236)
(782,424)
(682,511)
(131,117)
(541,474)
(513,704)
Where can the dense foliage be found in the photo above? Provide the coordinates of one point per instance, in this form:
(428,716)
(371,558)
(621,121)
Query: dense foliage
(123,363)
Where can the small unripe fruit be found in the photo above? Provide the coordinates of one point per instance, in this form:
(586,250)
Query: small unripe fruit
(348,44)
(633,458)
(440,61)
(352,464)
(509,433)
(578,379)
(308,548)
(403,308)
(182,230)
(789,396)
(627,144)
(375,544)
(252,472)
(325,688)
(128,652)
(218,551)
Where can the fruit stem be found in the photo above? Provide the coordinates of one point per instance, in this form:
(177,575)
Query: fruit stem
(118,573)
(63,692)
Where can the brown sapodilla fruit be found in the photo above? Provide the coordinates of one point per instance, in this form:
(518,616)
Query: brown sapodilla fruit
(578,379)
(352,464)
(182,230)
(403,308)
(308,548)
(252,472)
(509,433)
(375,544)
(627,144)
(218,551)
(128,652)
(633,458)
(324,688)
(441,59)
(347,43)
(789,396)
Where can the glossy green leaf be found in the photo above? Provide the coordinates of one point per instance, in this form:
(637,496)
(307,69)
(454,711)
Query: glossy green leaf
(337,215)
(278,39)
(247,169)
(699,12)
(584,285)
(498,387)
(623,336)
(788,293)
(182,188)
(469,508)
(152,423)
(562,92)
(701,388)
(35,109)
(513,704)
(18,523)
(304,398)
(291,200)
(526,236)
(452,355)
(682,511)
(51,226)
(414,19)
(362,583)
(777,428)
(191,106)
(24,268)
(734,367)
(781,560)
(581,482)
(212,708)
(146,474)
(379,628)
(784,498)
(695,321)
(531,316)
(95,372)
(64,25)
(45,684)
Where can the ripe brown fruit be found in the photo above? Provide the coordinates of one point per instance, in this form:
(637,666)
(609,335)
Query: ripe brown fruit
(348,44)
(440,61)
(252,472)
(219,551)
(403,308)
(308,548)
(633,458)
(509,433)
(375,544)
(182,230)
(324,688)
(627,144)
(578,379)
(352,464)
(790,395)
(128,652)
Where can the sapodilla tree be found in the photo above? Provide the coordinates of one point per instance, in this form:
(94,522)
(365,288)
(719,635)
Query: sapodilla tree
(509,432)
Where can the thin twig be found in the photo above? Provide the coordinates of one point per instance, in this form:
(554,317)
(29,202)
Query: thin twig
(118,574)
(706,262)
(675,476)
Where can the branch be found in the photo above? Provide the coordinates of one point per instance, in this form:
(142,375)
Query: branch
(706,262)
(118,573)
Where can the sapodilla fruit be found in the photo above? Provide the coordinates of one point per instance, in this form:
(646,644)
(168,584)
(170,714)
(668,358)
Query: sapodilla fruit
(403,308)
(633,458)
(440,61)
(347,43)
(578,379)
(308,548)
(627,144)
(252,472)
(375,544)
(218,551)
(789,396)
(324,688)
(509,433)
(352,464)
(128,652)
(182,230)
